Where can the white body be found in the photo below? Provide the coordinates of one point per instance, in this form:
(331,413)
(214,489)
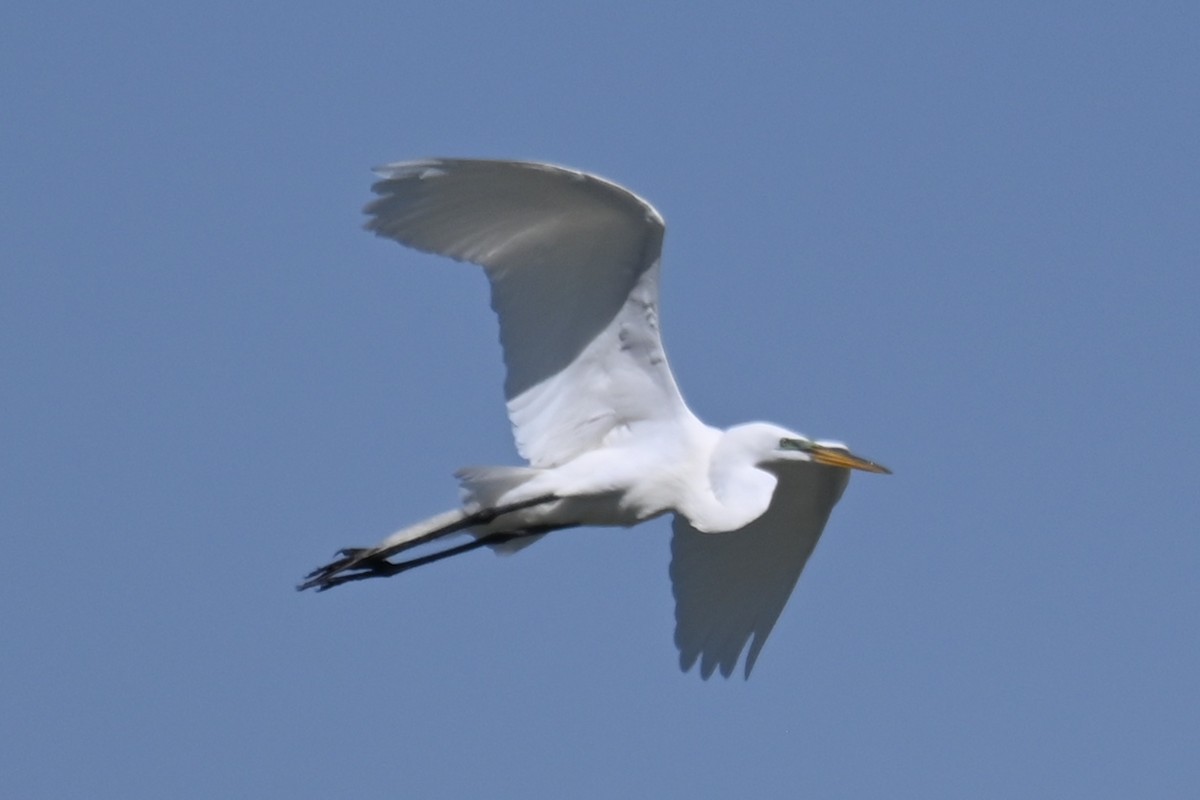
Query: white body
(573,262)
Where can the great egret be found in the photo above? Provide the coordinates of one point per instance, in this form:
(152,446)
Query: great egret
(573,262)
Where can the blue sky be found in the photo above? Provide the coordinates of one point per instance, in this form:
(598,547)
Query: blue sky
(961,237)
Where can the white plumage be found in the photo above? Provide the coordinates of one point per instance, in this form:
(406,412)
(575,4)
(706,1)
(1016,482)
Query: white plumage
(573,262)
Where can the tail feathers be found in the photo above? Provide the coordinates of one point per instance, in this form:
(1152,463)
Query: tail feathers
(511,546)
(485,487)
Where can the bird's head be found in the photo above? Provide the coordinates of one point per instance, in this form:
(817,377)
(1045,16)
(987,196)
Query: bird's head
(774,444)
(831,454)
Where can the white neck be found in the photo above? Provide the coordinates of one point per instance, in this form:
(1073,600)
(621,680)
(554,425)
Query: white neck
(738,491)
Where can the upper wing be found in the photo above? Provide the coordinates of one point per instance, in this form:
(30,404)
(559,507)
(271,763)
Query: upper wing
(729,586)
(573,264)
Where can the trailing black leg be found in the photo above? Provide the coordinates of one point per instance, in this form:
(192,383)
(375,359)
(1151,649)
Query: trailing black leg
(376,566)
(372,561)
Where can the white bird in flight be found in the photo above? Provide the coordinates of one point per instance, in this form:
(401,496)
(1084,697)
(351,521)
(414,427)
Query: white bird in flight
(573,262)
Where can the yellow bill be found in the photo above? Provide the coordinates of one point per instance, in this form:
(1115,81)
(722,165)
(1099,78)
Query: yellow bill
(837,457)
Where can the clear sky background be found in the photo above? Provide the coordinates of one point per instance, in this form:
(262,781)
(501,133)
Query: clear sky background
(964,238)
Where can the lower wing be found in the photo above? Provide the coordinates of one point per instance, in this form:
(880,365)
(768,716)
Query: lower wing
(731,586)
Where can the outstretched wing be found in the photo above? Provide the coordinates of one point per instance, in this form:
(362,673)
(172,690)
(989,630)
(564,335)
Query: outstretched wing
(573,263)
(731,586)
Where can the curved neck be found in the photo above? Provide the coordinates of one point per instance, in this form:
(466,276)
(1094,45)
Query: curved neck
(738,490)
